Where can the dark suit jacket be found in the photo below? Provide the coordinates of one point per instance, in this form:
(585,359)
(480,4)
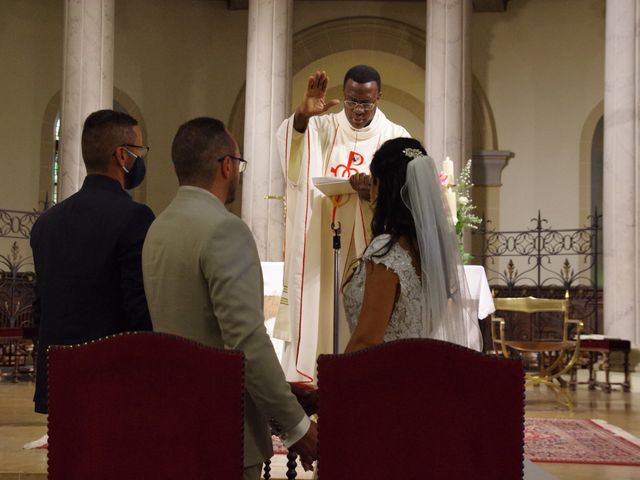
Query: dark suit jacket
(86,252)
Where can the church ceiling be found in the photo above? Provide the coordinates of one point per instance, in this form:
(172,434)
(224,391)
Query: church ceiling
(478,5)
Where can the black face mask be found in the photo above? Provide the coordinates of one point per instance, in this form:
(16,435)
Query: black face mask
(135,176)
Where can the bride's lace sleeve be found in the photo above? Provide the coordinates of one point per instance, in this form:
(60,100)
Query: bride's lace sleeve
(395,259)
(406,319)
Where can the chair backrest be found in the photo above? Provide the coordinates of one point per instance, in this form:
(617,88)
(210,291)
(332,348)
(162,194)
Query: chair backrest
(420,409)
(533,305)
(145,405)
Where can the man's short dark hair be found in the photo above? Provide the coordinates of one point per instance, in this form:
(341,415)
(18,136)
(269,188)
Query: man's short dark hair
(103,132)
(363,74)
(196,148)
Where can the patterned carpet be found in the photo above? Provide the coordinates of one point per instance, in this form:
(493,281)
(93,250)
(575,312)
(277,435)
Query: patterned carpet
(568,441)
(579,441)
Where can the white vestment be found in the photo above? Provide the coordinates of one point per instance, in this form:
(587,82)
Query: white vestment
(329,147)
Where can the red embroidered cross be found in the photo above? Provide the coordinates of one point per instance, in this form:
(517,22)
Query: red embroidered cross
(342,170)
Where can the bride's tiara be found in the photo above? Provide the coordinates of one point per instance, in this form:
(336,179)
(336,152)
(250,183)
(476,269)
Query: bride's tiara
(412,152)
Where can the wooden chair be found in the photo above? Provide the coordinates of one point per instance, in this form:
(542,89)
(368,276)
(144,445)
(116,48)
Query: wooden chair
(420,409)
(593,349)
(145,405)
(556,357)
(17,340)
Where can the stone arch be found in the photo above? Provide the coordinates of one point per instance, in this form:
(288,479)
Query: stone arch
(358,33)
(381,35)
(47,143)
(591,145)
(47,149)
(484,135)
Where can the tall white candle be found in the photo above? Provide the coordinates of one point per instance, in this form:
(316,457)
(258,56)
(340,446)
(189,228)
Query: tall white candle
(447,169)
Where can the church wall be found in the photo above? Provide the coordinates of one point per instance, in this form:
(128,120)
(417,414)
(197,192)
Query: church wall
(31,36)
(177,60)
(310,12)
(541,65)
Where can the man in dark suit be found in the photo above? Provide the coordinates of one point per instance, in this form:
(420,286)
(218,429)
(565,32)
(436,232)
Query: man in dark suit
(87,248)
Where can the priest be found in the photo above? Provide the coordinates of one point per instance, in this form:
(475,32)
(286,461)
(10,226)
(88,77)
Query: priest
(314,145)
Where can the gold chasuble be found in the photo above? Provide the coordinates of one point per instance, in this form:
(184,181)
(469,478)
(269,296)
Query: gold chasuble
(329,147)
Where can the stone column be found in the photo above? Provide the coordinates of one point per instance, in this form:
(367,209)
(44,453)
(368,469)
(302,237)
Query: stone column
(621,202)
(87,81)
(267,104)
(447,116)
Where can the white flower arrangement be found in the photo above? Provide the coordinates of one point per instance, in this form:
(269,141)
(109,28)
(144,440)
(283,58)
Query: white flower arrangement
(458,195)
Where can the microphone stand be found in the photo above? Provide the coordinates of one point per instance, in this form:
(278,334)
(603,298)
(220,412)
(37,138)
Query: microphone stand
(336,286)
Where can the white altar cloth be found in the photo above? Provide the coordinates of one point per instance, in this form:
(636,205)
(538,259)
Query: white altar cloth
(479,289)
(480,292)
(476,282)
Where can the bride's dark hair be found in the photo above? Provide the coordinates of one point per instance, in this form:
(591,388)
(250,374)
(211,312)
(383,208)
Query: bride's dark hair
(389,171)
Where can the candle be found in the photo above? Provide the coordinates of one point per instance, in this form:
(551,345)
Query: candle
(447,169)
(451,201)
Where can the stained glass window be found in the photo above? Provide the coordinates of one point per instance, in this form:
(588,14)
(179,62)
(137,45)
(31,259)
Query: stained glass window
(55,167)
(56,155)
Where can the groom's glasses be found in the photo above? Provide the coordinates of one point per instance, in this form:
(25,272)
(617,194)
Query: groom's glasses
(243,163)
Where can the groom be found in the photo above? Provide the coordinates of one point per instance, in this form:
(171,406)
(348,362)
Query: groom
(203,281)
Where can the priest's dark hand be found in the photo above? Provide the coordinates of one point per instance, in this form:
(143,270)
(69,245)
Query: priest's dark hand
(361,183)
(314,101)
(307,397)
(307,447)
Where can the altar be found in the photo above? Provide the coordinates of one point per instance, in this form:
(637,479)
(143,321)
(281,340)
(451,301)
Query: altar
(482,299)
(477,284)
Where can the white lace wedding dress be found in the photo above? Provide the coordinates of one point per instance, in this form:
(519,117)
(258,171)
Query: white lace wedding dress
(406,319)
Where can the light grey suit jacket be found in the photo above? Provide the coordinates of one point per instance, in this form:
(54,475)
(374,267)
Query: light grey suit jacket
(203,281)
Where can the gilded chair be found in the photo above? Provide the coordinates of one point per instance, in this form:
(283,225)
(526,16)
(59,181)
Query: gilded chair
(145,405)
(420,409)
(556,357)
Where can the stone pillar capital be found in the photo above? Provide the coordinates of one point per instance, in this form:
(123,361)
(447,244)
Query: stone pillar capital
(487,166)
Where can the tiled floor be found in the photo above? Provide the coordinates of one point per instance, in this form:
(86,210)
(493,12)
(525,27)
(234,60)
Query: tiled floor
(19,424)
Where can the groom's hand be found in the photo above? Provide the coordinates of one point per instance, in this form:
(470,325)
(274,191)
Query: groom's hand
(307,447)
(307,398)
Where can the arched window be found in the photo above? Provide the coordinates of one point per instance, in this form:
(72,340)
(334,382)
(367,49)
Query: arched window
(56,156)
(50,153)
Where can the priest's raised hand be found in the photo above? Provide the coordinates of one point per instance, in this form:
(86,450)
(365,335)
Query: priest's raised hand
(314,101)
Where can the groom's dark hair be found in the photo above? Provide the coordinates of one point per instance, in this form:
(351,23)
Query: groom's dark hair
(197,146)
(104,131)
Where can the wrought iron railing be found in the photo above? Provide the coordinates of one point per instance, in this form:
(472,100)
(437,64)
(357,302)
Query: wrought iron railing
(546,262)
(17,280)
(17,275)
(17,223)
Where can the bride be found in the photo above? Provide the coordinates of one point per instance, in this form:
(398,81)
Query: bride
(409,282)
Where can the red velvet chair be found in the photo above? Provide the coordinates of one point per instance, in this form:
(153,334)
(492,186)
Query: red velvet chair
(145,405)
(420,409)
